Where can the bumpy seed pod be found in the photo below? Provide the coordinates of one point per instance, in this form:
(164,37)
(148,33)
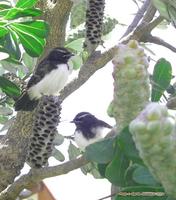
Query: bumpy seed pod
(154,134)
(15,79)
(131,83)
(94,22)
(44,130)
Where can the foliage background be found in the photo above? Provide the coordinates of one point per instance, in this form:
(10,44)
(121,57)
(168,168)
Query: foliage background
(72,105)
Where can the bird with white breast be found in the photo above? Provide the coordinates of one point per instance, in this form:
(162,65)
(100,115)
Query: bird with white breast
(89,129)
(49,78)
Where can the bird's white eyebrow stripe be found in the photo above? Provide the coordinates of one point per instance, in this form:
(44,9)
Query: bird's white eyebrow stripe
(83,115)
(62,50)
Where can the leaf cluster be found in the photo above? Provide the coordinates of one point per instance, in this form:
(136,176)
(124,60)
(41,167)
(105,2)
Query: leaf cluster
(21,39)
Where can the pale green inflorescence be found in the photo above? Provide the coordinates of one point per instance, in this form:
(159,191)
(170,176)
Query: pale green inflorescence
(155,137)
(131,83)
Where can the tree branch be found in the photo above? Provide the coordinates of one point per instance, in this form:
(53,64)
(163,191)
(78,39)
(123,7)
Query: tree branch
(56,14)
(150,13)
(159,41)
(137,18)
(140,30)
(34,176)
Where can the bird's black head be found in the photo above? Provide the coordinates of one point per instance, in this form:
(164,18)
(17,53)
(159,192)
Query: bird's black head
(85,119)
(85,123)
(59,55)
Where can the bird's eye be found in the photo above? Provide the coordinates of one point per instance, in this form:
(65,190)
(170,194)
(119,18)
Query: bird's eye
(78,121)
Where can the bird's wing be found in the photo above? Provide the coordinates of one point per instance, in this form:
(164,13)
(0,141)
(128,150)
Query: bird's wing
(43,68)
(33,80)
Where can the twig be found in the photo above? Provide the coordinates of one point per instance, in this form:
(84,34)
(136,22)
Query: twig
(70,137)
(111,195)
(137,18)
(36,175)
(159,41)
(149,27)
(141,29)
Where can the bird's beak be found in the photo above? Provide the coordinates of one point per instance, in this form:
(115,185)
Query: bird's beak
(71,55)
(72,121)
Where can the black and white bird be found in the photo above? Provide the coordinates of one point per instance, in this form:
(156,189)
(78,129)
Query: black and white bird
(89,129)
(49,78)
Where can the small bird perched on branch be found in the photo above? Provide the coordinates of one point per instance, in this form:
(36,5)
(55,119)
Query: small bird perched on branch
(49,78)
(89,129)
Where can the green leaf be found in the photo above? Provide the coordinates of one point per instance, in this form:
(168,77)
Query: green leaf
(58,155)
(78,14)
(76,45)
(22,71)
(32,45)
(73,151)
(9,88)
(92,169)
(3,119)
(142,176)
(161,78)
(2,23)
(167,9)
(4,12)
(143,189)
(127,145)
(25,3)
(141,197)
(129,174)
(102,169)
(3,31)
(108,25)
(11,67)
(31,36)
(2,71)
(37,28)
(13,60)
(170,198)
(76,62)
(101,151)
(5,4)
(12,46)
(29,61)
(171,12)
(116,170)
(161,7)
(58,140)
(16,13)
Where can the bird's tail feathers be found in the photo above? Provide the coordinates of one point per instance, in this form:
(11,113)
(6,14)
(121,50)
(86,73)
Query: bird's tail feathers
(106,125)
(24,103)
